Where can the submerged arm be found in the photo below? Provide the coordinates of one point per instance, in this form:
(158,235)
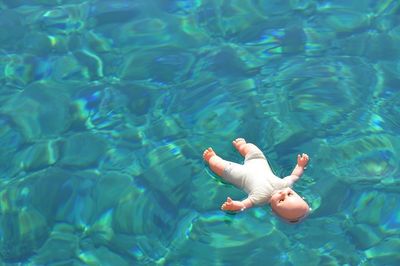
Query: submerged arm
(234,205)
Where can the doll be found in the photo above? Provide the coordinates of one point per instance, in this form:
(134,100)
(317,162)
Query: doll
(256,178)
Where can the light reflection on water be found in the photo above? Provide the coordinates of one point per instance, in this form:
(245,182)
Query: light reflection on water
(105,109)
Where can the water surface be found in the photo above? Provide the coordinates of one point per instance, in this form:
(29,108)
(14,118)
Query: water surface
(106,107)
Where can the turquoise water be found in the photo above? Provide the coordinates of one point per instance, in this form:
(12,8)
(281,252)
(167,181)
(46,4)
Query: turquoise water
(106,107)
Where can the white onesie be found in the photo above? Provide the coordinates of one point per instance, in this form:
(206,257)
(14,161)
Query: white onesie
(255,177)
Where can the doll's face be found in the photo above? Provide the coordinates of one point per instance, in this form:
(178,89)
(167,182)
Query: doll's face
(289,205)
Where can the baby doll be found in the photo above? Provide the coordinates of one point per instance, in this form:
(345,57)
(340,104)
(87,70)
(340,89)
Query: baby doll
(256,178)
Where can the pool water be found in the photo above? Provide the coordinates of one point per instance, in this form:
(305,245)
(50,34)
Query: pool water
(107,106)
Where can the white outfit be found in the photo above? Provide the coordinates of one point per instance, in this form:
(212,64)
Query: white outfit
(255,177)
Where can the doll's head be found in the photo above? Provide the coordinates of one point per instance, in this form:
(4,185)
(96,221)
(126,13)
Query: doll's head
(289,205)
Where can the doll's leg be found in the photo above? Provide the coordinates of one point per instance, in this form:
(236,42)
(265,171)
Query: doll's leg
(245,148)
(229,171)
(252,152)
(216,163)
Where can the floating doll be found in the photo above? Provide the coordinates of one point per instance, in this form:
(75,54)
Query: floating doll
(256,178)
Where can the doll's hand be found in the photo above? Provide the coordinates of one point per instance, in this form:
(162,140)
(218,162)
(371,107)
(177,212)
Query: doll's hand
(232,205)
(302,160)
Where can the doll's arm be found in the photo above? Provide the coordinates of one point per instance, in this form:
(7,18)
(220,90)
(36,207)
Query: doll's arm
(234,205)
(302,161)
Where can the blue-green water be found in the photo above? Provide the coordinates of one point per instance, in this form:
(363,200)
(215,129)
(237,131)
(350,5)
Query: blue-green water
(106,107)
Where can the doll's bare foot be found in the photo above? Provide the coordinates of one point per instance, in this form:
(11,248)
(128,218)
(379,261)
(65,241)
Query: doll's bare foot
(216,163)
(238,142)
(239,145)
(208,153)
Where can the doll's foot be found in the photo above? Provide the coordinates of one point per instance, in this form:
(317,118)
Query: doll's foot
(208,153)
(237,143)
(216,163)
